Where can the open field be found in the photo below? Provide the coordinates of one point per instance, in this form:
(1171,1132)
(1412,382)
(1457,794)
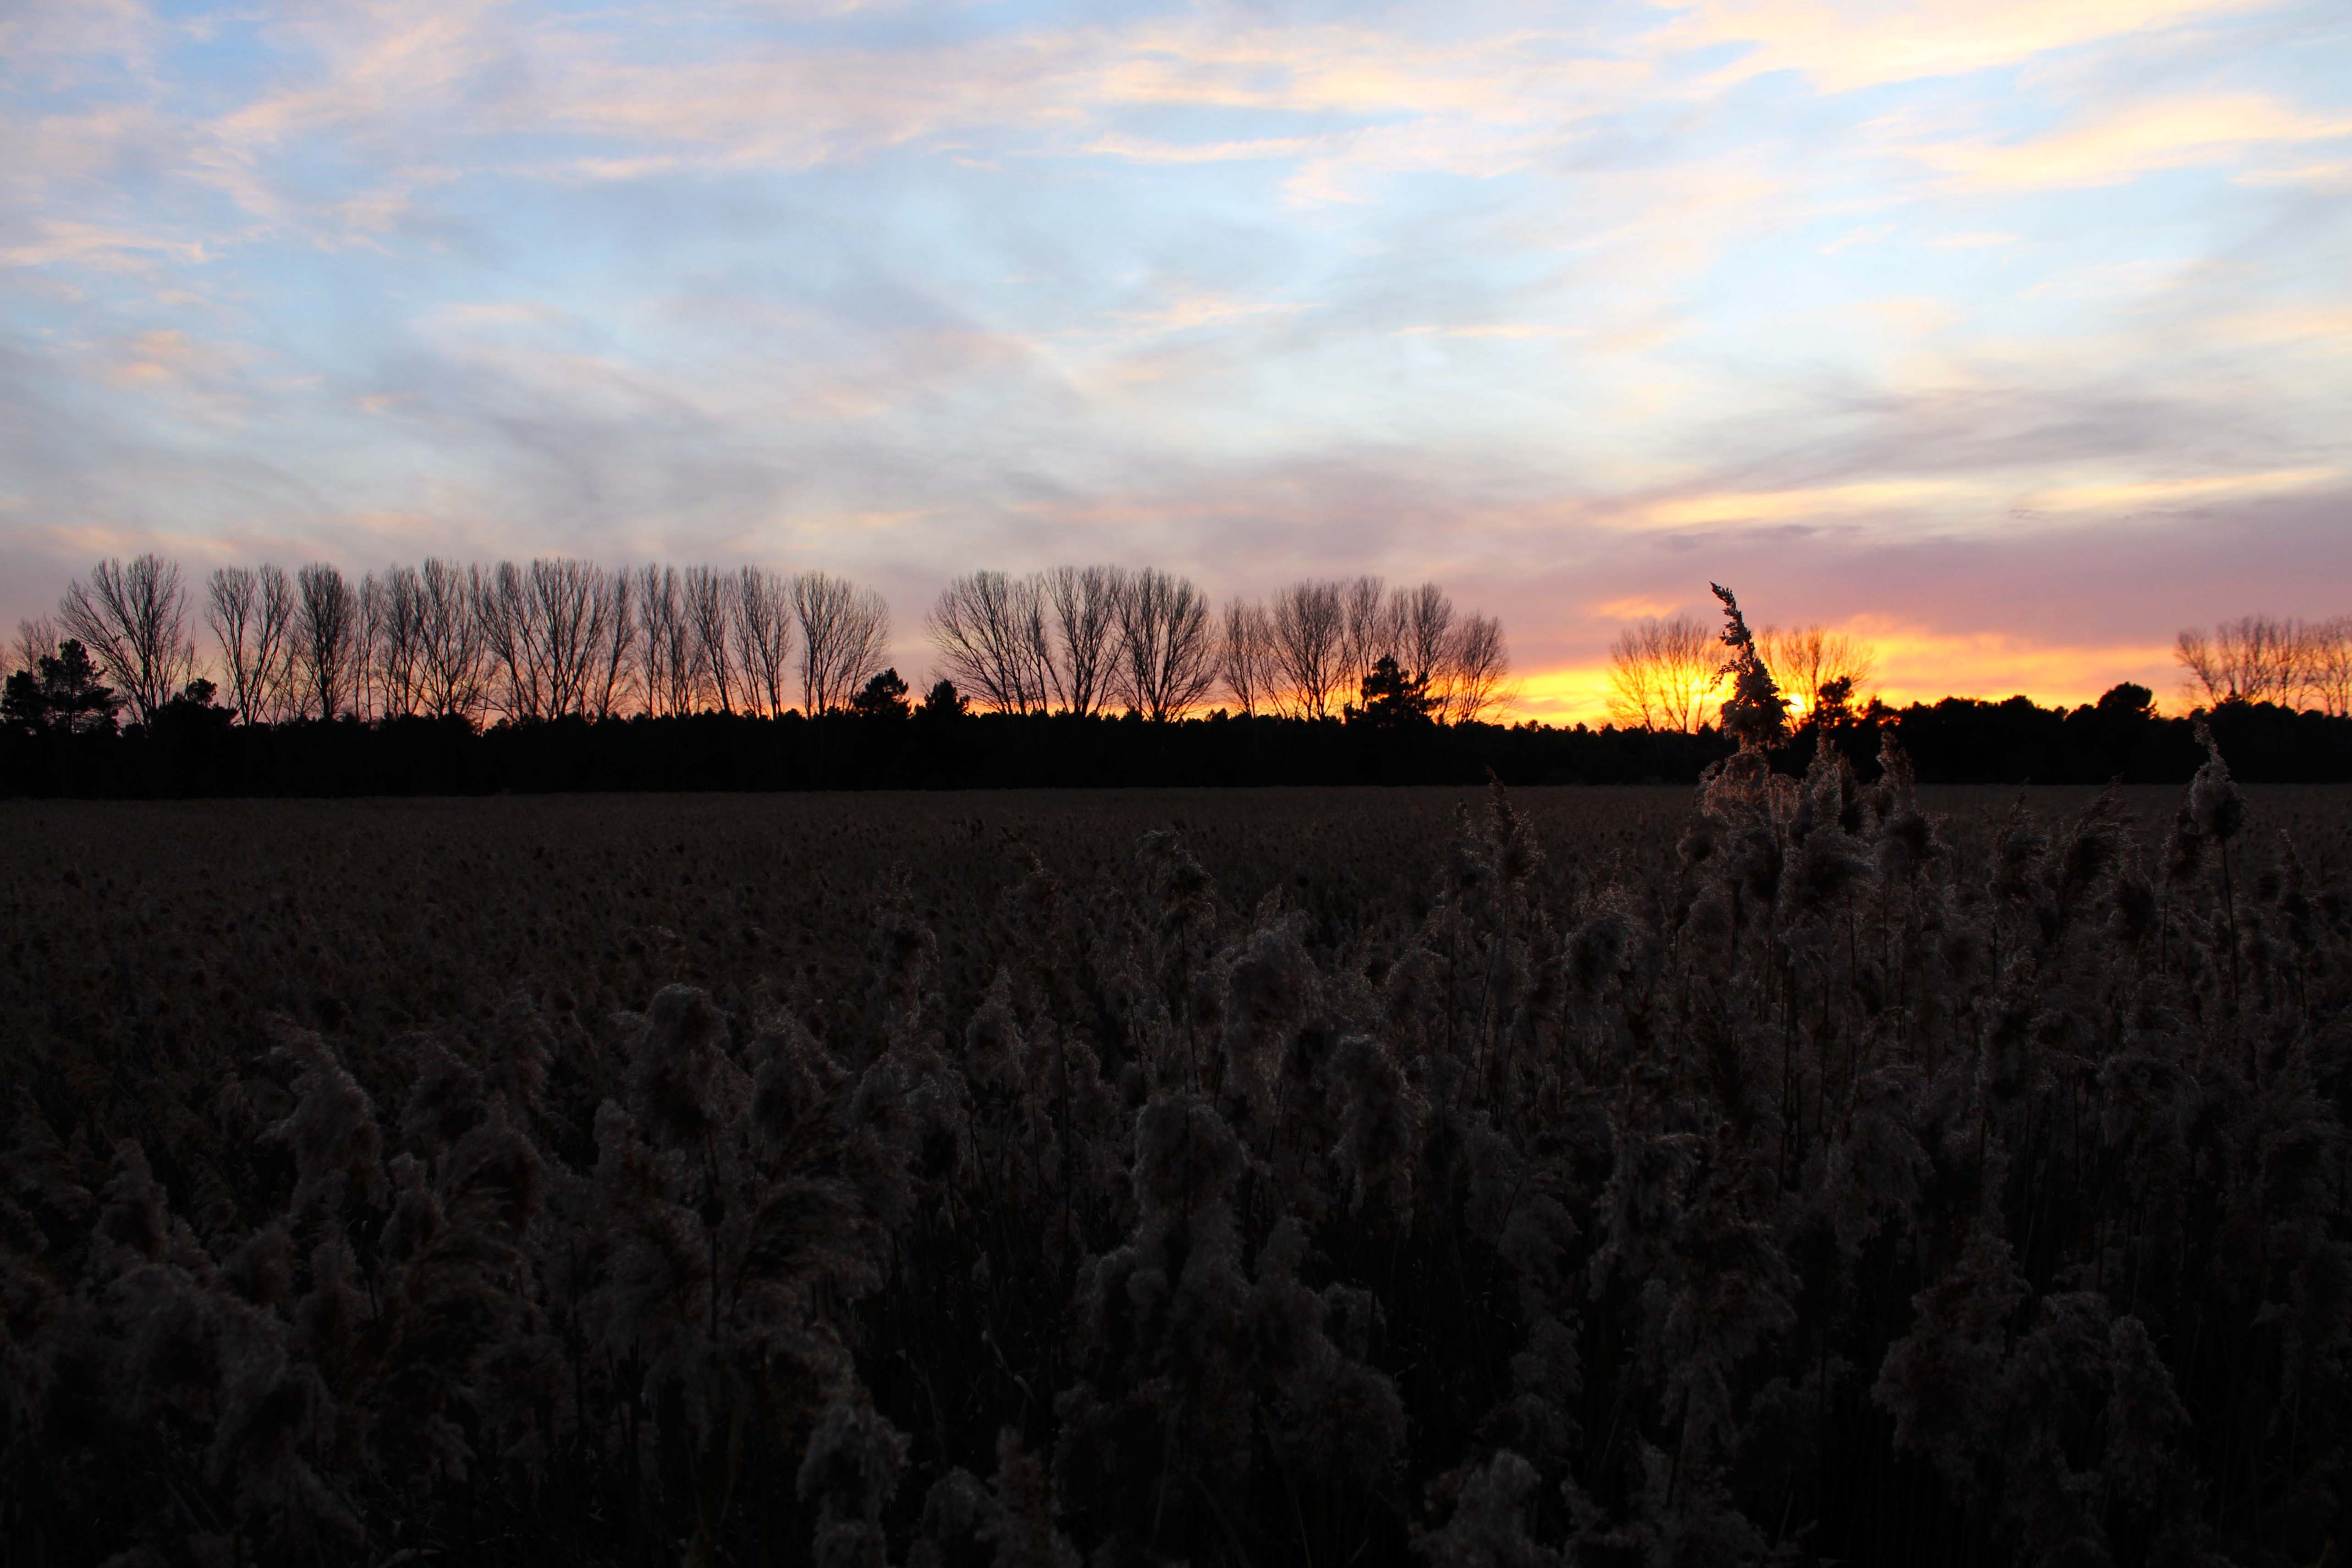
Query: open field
(372,917)
(1312,1175)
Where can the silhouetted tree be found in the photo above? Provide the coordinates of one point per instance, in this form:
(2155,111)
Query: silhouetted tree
(1804,659)
(763,637)
(1309,619)
(711,606)
(1662,675)
(132,619)
(1475,670)
(326,624)
(1246,657)
(1167,655)
(1832,703)
(942,702)
(1084,649)
(1423,625)
(2267,658)
(884,697)
(1392,699)
(61,694)
(36,639)
(844,629)
(1368,627)
(990,630)
(251,613)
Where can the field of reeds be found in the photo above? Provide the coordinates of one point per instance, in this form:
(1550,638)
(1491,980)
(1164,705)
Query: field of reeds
(1797,1170)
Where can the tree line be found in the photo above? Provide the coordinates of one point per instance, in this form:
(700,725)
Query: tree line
(560,675)
(2297,664)
(555,637)
(1077,639)
(1668,673)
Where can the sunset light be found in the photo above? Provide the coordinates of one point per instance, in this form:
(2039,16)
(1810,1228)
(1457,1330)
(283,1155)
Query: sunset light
(2015,337)
(1176,784)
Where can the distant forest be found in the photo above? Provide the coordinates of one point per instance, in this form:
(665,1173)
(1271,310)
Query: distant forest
(562,675)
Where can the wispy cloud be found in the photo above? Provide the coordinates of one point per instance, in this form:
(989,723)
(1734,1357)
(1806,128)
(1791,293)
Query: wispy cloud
(1855,45)
(2133,141)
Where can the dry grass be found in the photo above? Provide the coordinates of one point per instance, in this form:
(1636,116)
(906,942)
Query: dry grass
(1350,1173)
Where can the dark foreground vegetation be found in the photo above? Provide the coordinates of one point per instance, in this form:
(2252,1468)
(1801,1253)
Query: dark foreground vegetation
(192,749)
(1815,1170)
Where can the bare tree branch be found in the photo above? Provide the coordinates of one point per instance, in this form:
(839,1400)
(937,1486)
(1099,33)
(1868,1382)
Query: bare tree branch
(1308,621)
(989,629)
(1168,657)
(326,627)
(1477,668)
(1084,601)
(710,609)
(133,620)
(1247,655)
(844,630)
(1661,674)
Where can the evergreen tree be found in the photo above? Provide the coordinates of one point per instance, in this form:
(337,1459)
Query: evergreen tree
(1392,699)
(884,697)
(61,694)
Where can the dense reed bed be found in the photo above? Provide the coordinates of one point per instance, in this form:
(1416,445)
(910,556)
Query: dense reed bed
(1803,1170)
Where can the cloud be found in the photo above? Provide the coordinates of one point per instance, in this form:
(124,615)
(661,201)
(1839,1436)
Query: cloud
(62,239)
(1636,607)
(1869,234)
(2128,142)
(1815,502)
(2145,494)
(1848,46)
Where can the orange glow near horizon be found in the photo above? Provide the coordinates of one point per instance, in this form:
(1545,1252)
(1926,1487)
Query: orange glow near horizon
(1914,665)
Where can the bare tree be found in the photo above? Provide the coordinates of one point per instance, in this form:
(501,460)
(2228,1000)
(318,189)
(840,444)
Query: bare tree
(2255,659)
(670,670)
(1168,658)
(844,630)
(276,655)
(565,599)
(326,630)
(1247,655)
(1477,670)
(2194,652)
(763,637)
(1661,674)
(367,631)
(449,640)
(1309,619)
(618,648)
(989,629)
(2266,651)
(399,641)
(133,620)
(2327,666)
(1804,659)
(513,642)
(1080,661)
(36,639)
(710,609)
(1423,619)
(1367,630)
(232,609)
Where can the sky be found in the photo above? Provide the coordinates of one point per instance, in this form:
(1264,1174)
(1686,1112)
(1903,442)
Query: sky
(2012,335)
